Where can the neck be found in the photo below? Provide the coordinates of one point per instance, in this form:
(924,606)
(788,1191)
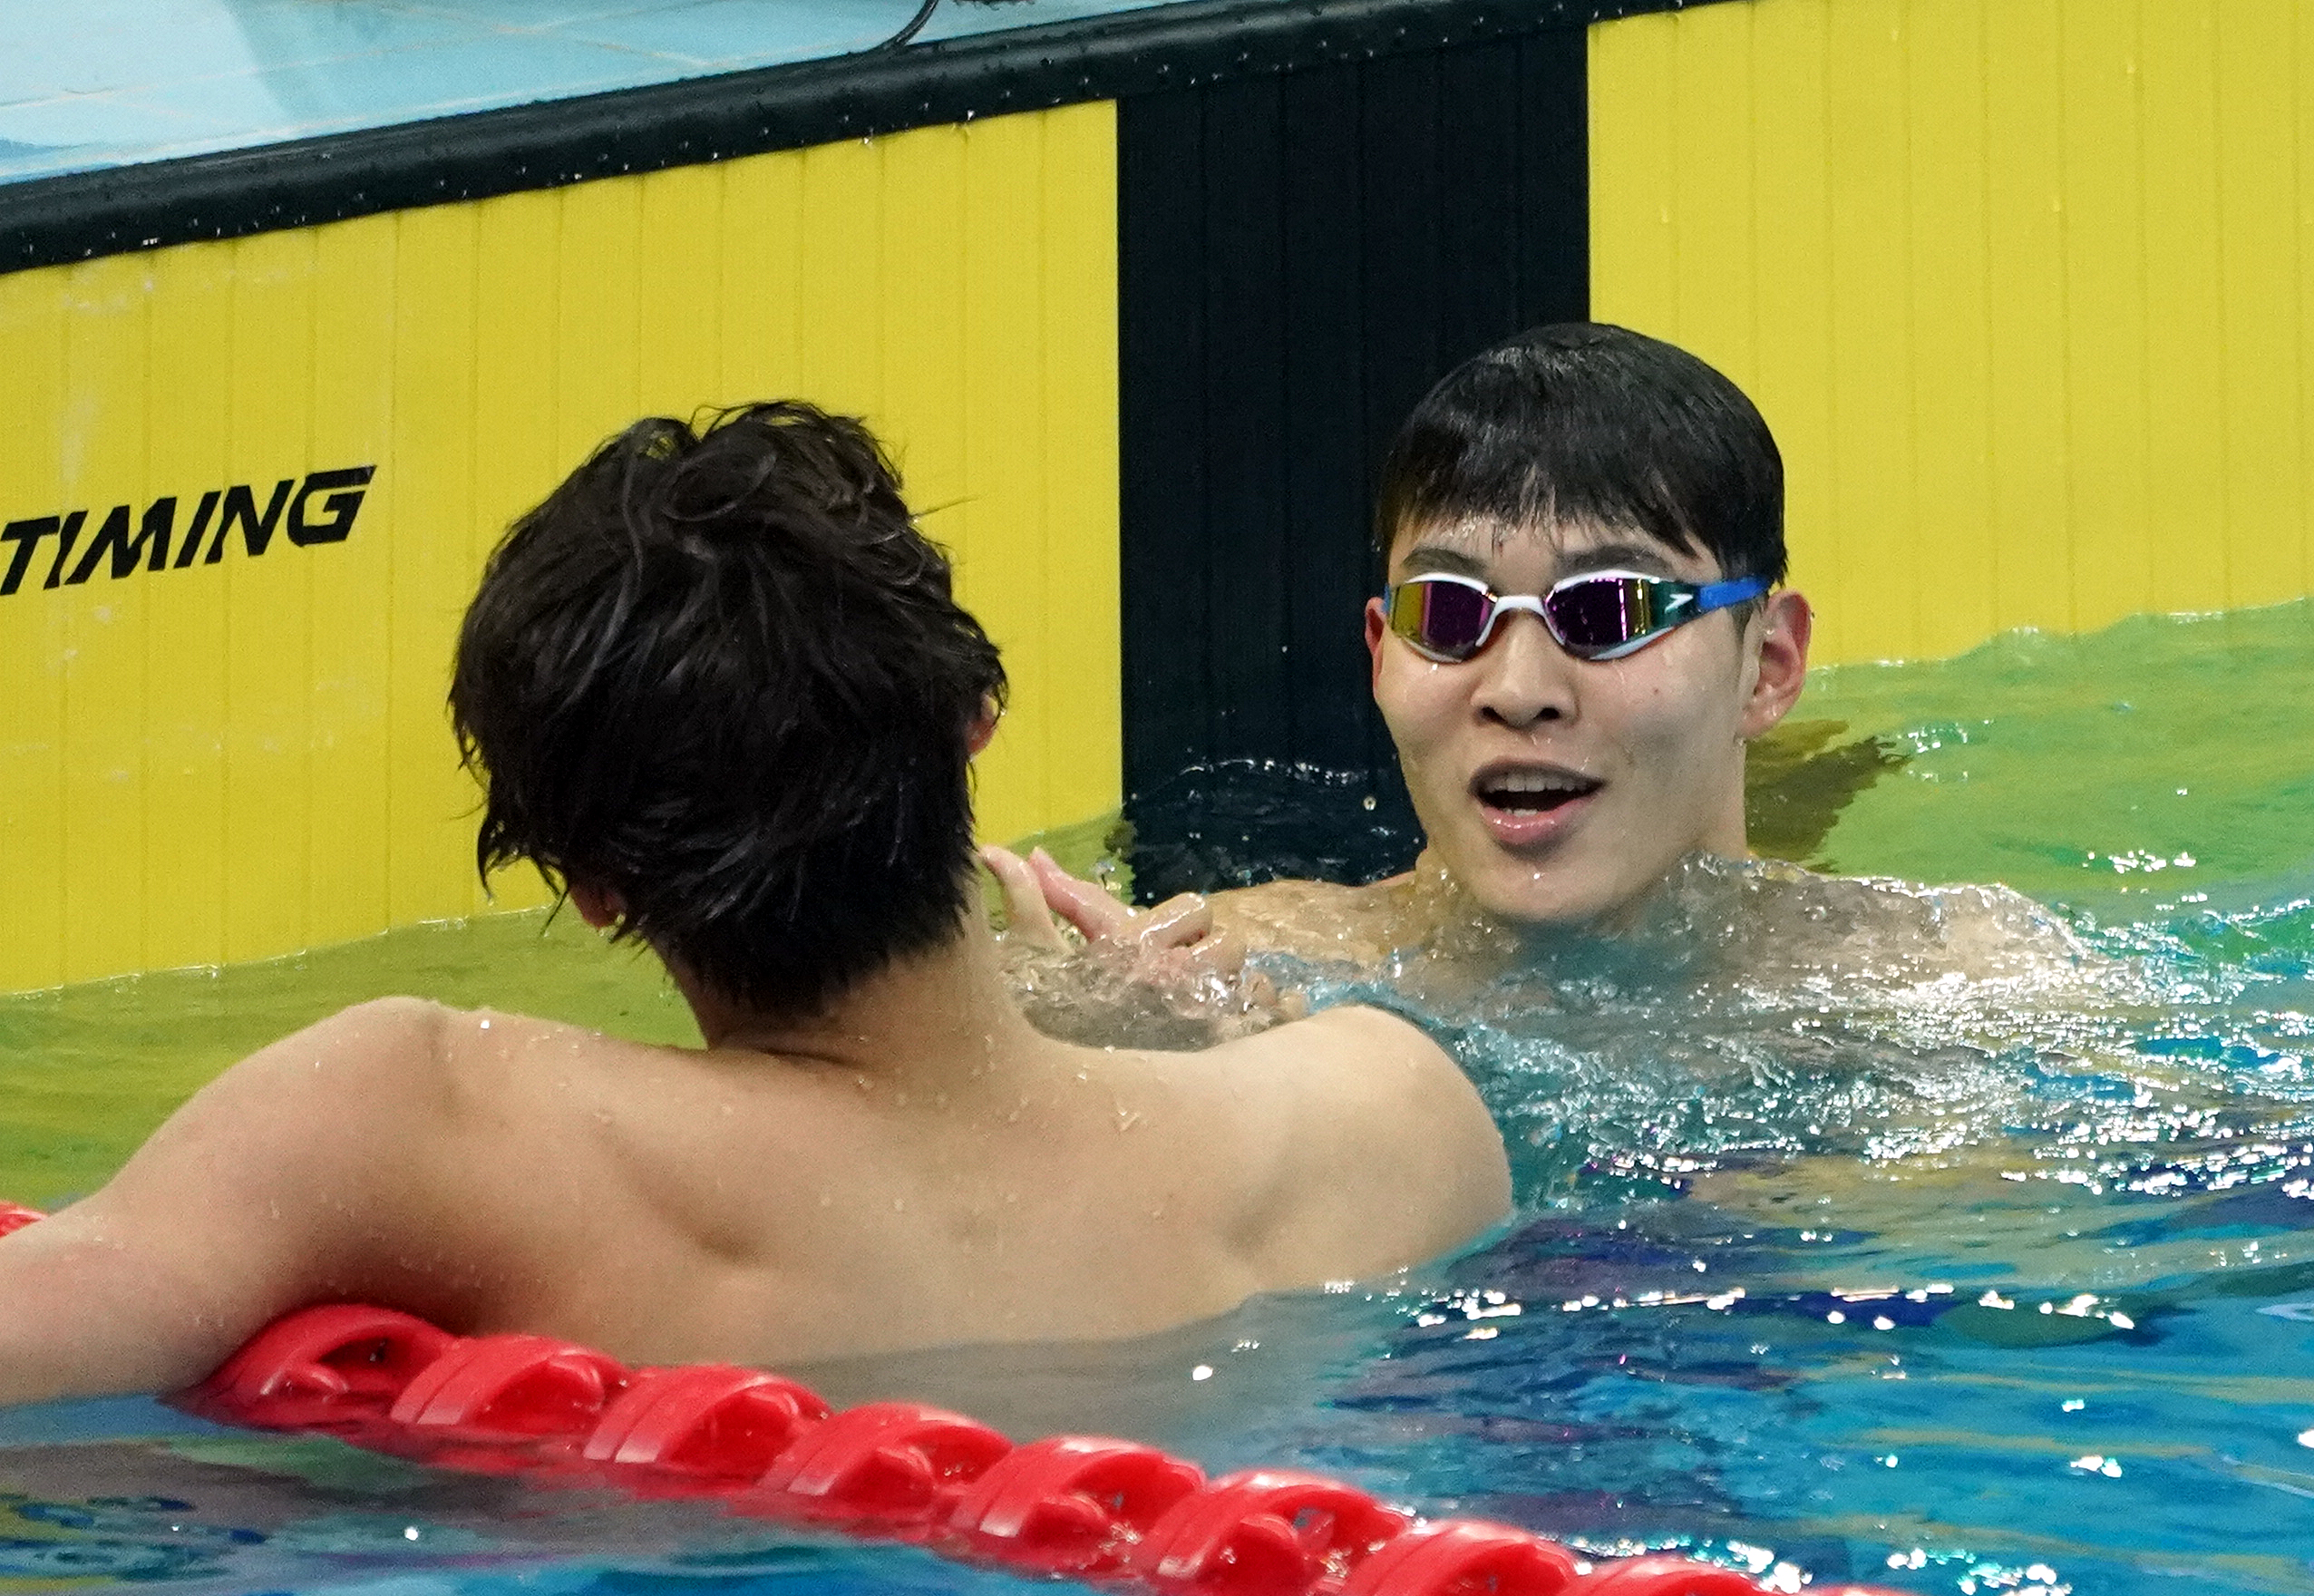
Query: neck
(940,1015)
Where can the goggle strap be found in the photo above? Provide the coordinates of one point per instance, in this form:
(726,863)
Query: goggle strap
(1727,594)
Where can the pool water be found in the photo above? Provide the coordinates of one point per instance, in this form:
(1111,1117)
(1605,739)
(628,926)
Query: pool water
(1822,1262)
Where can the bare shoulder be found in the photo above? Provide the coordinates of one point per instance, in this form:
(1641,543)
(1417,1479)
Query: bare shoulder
(1987,932)
(1801,921)
(1389,1067)
(251,1198)
(355,1062)
(358,1103)
(1284,896)
(1312,919)
(1393,1152)
(1355,1035)
(315,1125)
(1995,922)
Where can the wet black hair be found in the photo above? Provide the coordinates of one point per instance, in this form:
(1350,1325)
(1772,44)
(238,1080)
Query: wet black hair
(1585,421)
(719,674)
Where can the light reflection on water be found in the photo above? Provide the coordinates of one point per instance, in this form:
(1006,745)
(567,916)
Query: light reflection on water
(1821,1261)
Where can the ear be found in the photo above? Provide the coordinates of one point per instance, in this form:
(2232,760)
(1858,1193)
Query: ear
(984,728)
(1785,621)
(1378,628)
(599,908)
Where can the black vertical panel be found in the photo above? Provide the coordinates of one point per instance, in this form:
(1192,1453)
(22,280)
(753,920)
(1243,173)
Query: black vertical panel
(1160,416)
(1324,530)
(1399,239)
(1244,380)
(1303,254)
(1554,178)
(1478,198)
(1404,282)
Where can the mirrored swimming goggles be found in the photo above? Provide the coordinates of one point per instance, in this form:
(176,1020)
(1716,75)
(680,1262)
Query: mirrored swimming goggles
(1599,615)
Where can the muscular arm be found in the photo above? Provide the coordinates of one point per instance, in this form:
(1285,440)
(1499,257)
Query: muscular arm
(247,1204)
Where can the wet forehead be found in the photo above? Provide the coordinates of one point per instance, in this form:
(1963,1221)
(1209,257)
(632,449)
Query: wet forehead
(1536,557)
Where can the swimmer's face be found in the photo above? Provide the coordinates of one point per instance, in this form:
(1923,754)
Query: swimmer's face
(1560,792)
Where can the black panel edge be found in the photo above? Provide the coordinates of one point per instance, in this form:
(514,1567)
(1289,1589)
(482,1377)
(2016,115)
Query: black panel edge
(49,222)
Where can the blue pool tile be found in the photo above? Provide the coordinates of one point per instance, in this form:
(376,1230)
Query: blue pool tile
(530,15)
(953,21)
(408,86)
(182,46)
(728,35)
(79,131)
(98,82)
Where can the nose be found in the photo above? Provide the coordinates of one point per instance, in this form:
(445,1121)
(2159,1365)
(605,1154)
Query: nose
(1526,676)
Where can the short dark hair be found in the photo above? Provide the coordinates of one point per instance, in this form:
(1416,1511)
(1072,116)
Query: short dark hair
(720,674)
(1586,422)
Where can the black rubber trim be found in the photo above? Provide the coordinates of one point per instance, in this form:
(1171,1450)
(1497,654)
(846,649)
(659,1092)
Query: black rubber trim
(47,221)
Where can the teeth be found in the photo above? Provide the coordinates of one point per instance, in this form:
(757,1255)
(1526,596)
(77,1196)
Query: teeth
(1534,781)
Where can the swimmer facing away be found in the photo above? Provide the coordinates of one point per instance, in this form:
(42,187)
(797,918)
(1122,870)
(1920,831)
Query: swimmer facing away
(716,687)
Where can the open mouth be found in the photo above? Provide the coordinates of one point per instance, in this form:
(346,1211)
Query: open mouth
(1531,790)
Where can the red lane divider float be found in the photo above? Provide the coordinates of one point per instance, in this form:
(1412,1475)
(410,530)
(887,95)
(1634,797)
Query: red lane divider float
(1087,1507)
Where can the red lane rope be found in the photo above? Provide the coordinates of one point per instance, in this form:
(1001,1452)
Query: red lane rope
(1087,1507)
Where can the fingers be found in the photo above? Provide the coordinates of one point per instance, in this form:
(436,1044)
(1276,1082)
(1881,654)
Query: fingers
(1177,922)
(1024,898)
(1082,903)
(1220,958)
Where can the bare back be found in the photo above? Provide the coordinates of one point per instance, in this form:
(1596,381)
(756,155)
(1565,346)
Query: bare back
(496,1172)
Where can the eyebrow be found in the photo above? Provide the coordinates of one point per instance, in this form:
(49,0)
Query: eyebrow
(1436,557)
(1645,558)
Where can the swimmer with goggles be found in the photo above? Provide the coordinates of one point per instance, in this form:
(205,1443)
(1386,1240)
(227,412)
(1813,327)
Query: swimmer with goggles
(1596,616)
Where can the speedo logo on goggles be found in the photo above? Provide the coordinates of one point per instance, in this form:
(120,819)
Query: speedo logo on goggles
(1600,615)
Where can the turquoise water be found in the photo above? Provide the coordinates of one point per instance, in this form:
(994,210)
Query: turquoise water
(1822,1262)
(116,82)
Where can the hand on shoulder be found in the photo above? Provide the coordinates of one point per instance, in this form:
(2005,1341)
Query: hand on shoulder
(1163,977)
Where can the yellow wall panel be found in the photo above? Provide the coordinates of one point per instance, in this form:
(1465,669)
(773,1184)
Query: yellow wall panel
(679,292)
(1868,127)
(2024,393)
(104,655)
(2302,257)
(2259,214)
(1003,507)
(2022,286)
(1789,192)
(921,235)
(1952,529)
(35,643)
(2185,468)
(268,662)
(2102,211)
(598,302)
(445,348)
(1711,127)
(762,260)
(350,406)
(229,759)
(1084,748)
(189,442)
(1632,159)
(839,225)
